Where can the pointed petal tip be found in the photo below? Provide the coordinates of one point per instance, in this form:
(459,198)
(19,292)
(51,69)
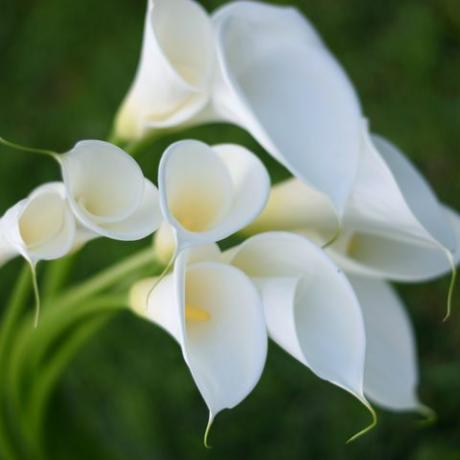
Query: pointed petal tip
(450,293)
(430,417)
(36,291)
(368,428)
(207,431)
(336,235)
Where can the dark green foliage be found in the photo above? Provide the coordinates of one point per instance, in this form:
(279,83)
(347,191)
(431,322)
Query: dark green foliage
(64,67)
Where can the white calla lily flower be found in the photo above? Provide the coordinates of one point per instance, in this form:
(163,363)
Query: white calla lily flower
(390,197)
(391,374)
(175,69)
(215,313)
(108,193)
(310,307)
(393,226)
(208,193)
(279,82)
(261,67)
(40,227)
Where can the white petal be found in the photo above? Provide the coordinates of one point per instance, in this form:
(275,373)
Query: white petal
(251,185)
(393,259)
(40,227)
(294,206)
(175,69)
(417,193)
(310,307)
(279,83)
(107,191)
(209,193)
(394,226)
(145,219)
(392,200)
(226,352)
(391,375)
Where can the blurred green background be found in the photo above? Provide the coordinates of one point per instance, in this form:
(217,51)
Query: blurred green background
(64,67)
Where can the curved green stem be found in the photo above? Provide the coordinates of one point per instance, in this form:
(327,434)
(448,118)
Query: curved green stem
(27,341)
(105,279)
(136,147)
(12,313)
(56,275)
(49,377)
(24,148)
(20,376)
(95,315)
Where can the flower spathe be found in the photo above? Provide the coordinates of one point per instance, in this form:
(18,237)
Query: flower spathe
(108,192)
(175,69)
(391,374)
(393,227)
(208,193)
(261,67)
(310,307)
(205,305)
(278,81)
(39,227)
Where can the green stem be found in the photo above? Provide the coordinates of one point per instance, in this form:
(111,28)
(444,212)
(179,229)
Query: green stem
(56,275)
(136,147)
(105,279)
(19,377)
(63,320)
(13,311)
(26,342)
(47,376)
(24,148)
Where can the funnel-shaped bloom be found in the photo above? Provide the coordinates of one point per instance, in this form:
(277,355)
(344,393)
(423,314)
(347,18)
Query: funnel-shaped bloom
(310,307)
(108,193)
(258,66)
(215,313)
(391,374)
(175,70)
(278,81)
(40,227)
(393,226)
(208,193)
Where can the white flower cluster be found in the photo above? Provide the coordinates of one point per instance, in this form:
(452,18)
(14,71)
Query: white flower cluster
(313,273)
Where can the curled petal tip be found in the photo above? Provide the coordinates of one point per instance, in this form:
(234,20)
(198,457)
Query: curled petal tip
(36,290)
(450,294)
(430,417)
(368,428)
(207,432)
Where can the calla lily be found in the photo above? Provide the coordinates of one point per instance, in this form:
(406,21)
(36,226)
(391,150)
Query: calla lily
(393,226)
(175,70)
(280,83)
(40,227)
(208,193)
(215,314)
(261,67)
(391,374)
(310,307)
(108,193)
